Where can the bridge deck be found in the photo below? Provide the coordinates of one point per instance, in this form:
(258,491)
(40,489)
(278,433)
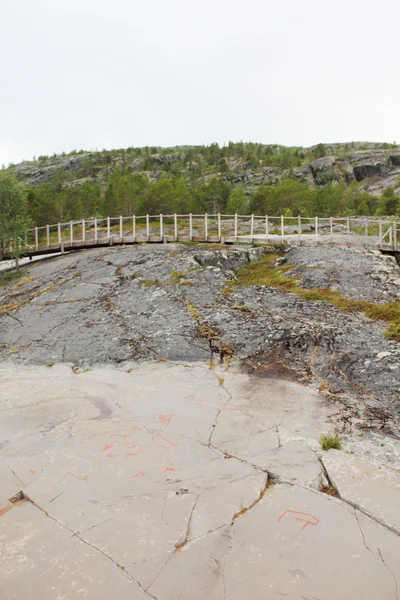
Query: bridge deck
(225,229)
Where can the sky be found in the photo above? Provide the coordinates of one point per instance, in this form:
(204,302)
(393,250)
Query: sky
(94,74)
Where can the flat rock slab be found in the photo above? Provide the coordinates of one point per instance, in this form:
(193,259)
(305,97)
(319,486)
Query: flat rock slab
(165,481)
(373,488)
(297,544)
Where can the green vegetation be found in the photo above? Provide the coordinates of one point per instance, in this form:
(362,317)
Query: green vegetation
(13,215)
(265,272)
(198,179)
(175,281)
(204,331)
(7,277)
(329,440)
(175,276)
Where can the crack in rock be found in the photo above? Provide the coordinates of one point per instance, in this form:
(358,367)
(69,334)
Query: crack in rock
(79,537)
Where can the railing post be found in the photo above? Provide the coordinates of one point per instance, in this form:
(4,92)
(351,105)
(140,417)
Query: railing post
(147,228)
(95,231)
(251,227)
(120,228)
(190,227)
(299,228)
(134,227)
(366,233)
(219,227)
(108,229)
(83,231)
(161,227)
(316,230)
(205,227)
(235,227)
(266,228)
(394,235)
(331,225)
(175,227)
(380,233)
(59,233)
(36,239)
(71,232)
(48,235)
(348,225)
(282,228)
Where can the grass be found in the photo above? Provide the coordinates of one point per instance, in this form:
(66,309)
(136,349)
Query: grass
(204,331)
(175,276)
(8,276)
(329,440)
(7,308)
(265,272)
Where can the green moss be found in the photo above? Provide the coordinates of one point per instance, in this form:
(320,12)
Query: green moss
(175,276)
(241,308)
(265,272)
(151,282)
(8,276)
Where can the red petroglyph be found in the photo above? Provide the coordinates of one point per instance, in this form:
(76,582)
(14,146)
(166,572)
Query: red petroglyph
(33,471)
(130,445)
(160,440)
(170,469)
(124,433)
(111,455)
(108,446)
(85,478)
(128,454)
(164,419)
(204,403)
(306,522)
(141,474)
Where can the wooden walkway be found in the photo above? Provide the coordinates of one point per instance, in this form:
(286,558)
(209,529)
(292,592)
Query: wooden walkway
(224,229)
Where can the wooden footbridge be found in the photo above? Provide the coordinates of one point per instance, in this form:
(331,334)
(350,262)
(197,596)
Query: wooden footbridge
(383,234)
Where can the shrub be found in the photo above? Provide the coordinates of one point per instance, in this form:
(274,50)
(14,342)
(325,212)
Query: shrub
(329,440)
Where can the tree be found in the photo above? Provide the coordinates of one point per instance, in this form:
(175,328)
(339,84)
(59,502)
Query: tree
(320,151)
(389,203)
(237,202)
(13,215)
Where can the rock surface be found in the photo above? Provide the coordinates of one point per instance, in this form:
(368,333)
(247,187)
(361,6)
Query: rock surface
(129,492)
(375,167)
(159,437)
(168,303)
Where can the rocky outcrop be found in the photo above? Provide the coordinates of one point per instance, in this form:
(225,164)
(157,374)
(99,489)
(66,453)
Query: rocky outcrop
(34,173)
(377,169)
(172,302)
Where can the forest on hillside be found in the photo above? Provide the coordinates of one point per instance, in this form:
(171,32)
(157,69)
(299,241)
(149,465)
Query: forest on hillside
(135,194)
(196,179)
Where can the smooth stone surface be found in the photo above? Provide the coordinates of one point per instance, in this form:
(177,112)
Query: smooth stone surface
(304,545)
(372,487)
(164,482)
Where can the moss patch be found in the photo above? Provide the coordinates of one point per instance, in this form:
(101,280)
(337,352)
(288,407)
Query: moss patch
(265,272)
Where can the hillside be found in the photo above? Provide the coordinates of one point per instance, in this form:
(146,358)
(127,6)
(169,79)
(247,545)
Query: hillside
(323,179)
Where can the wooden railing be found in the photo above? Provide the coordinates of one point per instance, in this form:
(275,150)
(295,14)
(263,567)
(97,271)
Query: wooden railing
(345,231)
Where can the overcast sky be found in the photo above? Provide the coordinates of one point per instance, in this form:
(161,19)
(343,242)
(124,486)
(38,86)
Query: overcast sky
(99,74)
